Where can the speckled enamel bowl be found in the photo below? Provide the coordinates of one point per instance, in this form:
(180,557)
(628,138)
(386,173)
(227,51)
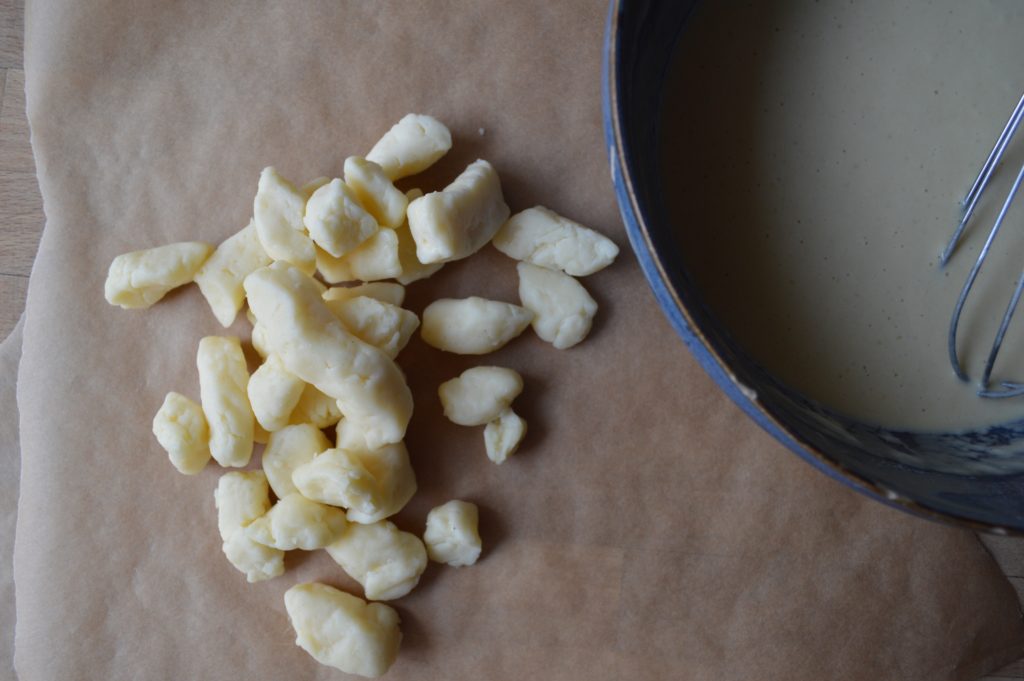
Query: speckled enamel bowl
(957,477)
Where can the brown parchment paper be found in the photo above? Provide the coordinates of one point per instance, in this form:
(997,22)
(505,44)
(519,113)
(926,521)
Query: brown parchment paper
(646,530)
(10,464)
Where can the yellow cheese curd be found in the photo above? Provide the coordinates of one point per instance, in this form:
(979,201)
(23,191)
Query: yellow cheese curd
(479,395)
(372,485)
(296,522)
(221,276)
(180,428)
(223,383)
(286,450)
(384,560)
(327,358)
(380,324)
(343,631)
(544,238)
(336,220)
(273,393)
(457,222)
(241,497)
(277,213)
(412,268)
(375,259)
(316,408)
(503,435)
(563,311)
(385,202)
(137,280)
(472,326)
(451,536)
(314,345)
(412,145)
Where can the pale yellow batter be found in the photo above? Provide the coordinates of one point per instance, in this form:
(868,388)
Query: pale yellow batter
(815,154)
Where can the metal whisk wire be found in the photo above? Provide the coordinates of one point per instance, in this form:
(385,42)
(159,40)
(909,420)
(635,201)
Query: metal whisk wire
(970,202)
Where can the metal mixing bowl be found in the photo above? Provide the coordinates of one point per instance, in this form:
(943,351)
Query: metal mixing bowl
(955,476)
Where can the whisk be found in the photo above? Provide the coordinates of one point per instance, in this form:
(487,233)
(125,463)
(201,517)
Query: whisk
(970,202)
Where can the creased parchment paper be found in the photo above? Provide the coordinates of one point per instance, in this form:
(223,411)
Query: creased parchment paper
(646,530)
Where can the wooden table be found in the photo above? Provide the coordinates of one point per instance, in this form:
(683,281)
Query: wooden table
(21,225)
(21,208)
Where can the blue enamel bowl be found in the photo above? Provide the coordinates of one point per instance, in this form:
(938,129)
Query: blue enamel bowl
(958,477)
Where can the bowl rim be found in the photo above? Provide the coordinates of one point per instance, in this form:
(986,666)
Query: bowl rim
(670,302)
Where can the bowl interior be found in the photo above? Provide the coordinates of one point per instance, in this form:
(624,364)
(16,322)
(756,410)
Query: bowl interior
(961,476)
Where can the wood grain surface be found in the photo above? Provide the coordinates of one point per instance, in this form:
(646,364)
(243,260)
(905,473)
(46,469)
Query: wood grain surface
(21,224)
(21,208)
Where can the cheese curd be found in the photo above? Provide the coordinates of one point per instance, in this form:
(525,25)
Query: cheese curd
(372,485)
(328,359)
(563,311)
(343,631)
(180,428)
(411,146)
(221,276)
(451,536)
(348,435)
(316,408)
(472,326)
(286,450)
(503,435)
(223,380)
(335,219)
(256,561)
(258,338)
(458,221)
(137,280)
(315,346)
(479,395)
(273,393)
(376,258)
(412,268)
(242,497)
(375,192)
(545,238)
(277,213)
(384,560)
(382,325)
(384,291)
(295,522)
